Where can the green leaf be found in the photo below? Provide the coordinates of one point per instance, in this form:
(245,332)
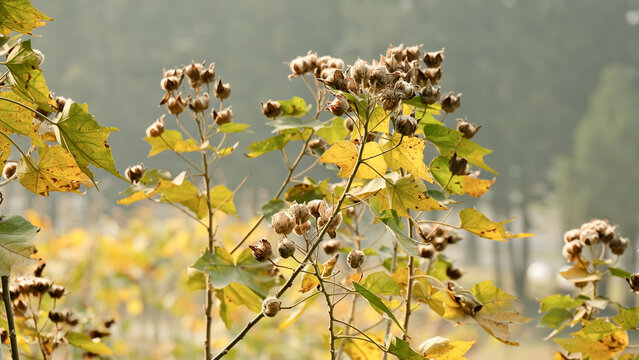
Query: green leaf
(493,299)
(376,302)
(196,280)
(233,127)
(171,140)
(334,132)
(306,191)
(295,107)
(233,295)
(558,301)
(402,350)
(287,123)
(478,224)
(599,339)
(380,283)
(26,77)
(85,343)
(260,148)
(222,199)
(449,141)
(15,119)
(17,237)
(85,139)
(628,318)
(619,272)
(393,223)
(223,271)
(438,270)
(20,16)
(556,318)
(458,184)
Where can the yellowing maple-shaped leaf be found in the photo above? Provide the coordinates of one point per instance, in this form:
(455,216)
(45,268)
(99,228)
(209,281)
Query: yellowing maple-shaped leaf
(16,119)
(364,350)
(407,153)
(222,199)
(79,133)
(5,149)
(458,184)
(450,141)
(20,16)
(171,140)
(439,348)
(478,224)
(309,280)
(580,273)
(26,77)
(17,237)
(344,154)
(599,339)
(409,193)
(55,170)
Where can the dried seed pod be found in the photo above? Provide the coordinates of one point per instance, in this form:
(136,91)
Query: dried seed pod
(170,83)
(380,77)
(157,128)
(434,59)
(572,250)
(405,125)
(390,99)
(299,212)
(336,80)
(19,307)
(282,223)
(458,166)
(208,76)
(571,235)
(9,169)
(70,318)
(200,103)
(406,88)
(426,250)
(589,236)
(608,234)
(222,90)
(453,273)
(633,281)
(176,105)
(618,245)
(439,243)
(270,306)
(56,291)
(469,130)
(286,248)
(339,106)
(314,207)
(223,117)
(331,246)
(271,109)
(434,75)
(41,286)
(135,173)
(193,71)
(317,144)
(430,94)
(57,316)
(298,67)
(349,124)
(355,258)
(450,102)
(452,237)
(302,228)
(396,52)
(60,102)
(262,251)
(361,71)
(412,53)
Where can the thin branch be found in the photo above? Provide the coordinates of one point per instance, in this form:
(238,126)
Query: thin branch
(6,297)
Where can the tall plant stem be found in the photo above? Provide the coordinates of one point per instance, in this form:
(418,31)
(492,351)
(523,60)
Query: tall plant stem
(331,307)
(6,297)
(308,256)
(409,289)
(392,270)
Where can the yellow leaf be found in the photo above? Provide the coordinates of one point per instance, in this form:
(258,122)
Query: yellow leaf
(309,280)
(55,170)
(344,154)
(478,224)
(599,339)
(5,150)
(15,119)
(141,195)
(330,265)
(579,273)
(408,154)
(171,140)
(222,199)
(20,16)
(409,193)
(476,187)
(364,350)
(439,348)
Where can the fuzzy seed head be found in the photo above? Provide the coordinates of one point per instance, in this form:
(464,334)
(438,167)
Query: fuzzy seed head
(571,235)
(176,105)
(200,103)
(262,251)
(469,130)
(633,281)
(439,243)
(56,291)
(412,53)
(339,106)
(208,76)
(331,246)
(434,59)
(589,236)
(286,248)
(361,71)
(450,102)
(314,207)
(222,90)
(426,250)
(223,117)
(271,109)
(405,125)
(430,94)
(355,258)
(270,306)
(618,245)
(458,166)
(282,223)
(135,173)
(453,273)
(9,169)
(299,212)
(572,250)
(157,128)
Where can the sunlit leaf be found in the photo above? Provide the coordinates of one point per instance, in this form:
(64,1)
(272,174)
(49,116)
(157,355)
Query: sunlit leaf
(295,107)
(15,119)
(408,193)
(265,146)
(458,184)
(233,127)
(407,153)
(5,150)
(439,267)
(449,141)
(17,237)
(344,154)
(273,206)
(478,224)
(295,313)
(234,295)
(363,350)
(439,348)
(393,223)
(286,123)
(421,287)
(628,318)
(171,140)
(310,280)
(380,283)
(402,350)
(599,339)
(376,302)
(334,132)
(20,16)
(26,77)
(619,272)
(85,343)
(222,199)
(580,273)
(558,301)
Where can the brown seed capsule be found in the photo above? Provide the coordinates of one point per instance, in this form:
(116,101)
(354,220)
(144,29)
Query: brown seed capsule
(299,212)
(396,52)
(571,235)
(361,71)
(9,169)
(434,59)
(406,88)
(469,130)
(572,250)
(286,248)
(135,173)
(70,318)
(41,286)
(282,223)
(434,75)
(56,316)
(450,102)
(412,53)
(439,243)
(330,246)
(430,94)
(608,234)
(271,306)
(589,237)
(170,83)
(425,232)
(380,77)
(349,124)
(336,80)
(223,117)
(176,105)
(157,128)
(302,228)
(458,166)
(298,67)
(38,55)
(339,106)
(453,273)
(618,245)
(452,237)
(4,336)
(98,334)
(355,258)
(390,99)
(271,109)
(426,250)
(60,102)
(56,291)
(262,251)
(633,281)
(405,125)
(19,307)
(314,207)
(200,103)
(208,76)
(317,144)
(193,71)
(222,90)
